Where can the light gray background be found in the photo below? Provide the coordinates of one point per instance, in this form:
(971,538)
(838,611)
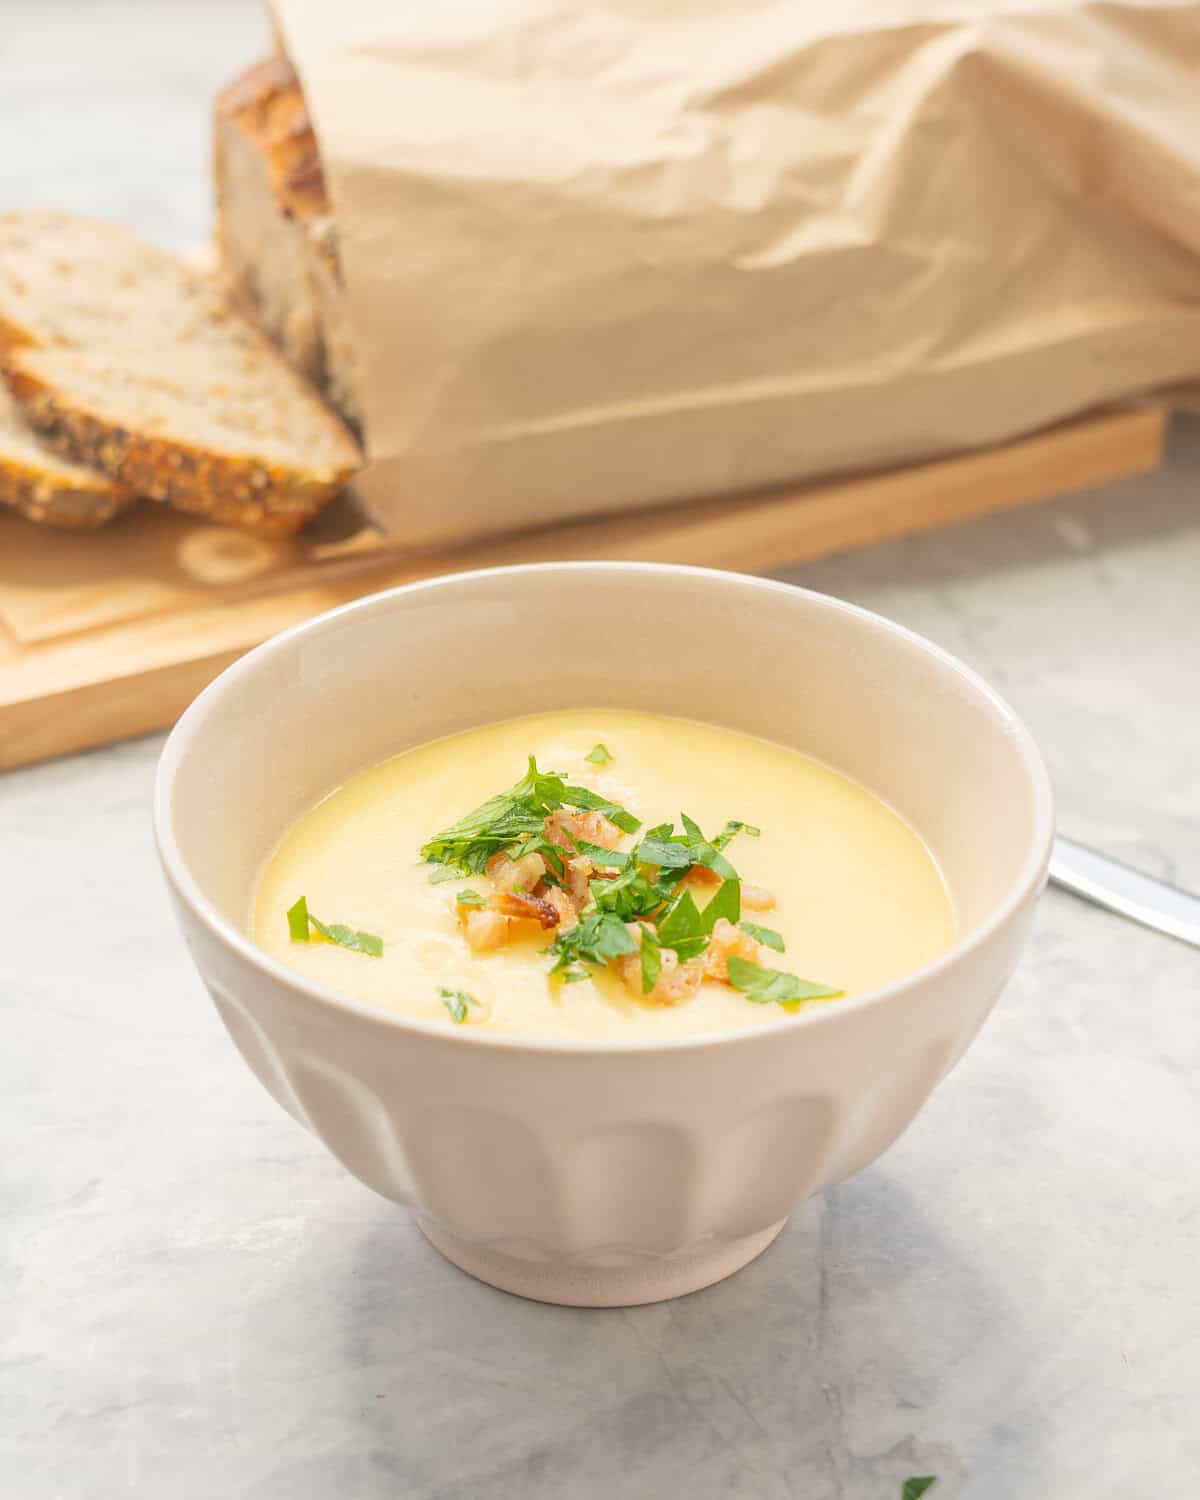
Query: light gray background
(199,1303)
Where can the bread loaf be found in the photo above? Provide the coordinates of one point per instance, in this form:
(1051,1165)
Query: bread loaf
(275,229)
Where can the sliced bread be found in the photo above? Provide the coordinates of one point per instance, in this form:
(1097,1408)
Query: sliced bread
(45,488)
(80,282)
(122,359)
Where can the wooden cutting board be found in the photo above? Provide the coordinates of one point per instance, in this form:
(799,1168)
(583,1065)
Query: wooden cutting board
(138,675)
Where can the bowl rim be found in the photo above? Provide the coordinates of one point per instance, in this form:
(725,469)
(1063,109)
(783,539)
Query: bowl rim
(1025,888)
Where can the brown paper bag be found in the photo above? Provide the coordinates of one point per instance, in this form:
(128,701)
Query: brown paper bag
(608,255)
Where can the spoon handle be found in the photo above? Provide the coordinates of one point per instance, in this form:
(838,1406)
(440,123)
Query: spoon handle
(1106,882)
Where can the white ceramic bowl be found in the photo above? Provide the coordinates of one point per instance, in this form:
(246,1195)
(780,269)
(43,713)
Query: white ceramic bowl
(603,1174)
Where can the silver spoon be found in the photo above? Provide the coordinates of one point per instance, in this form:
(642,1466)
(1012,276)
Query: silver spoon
(1120,888)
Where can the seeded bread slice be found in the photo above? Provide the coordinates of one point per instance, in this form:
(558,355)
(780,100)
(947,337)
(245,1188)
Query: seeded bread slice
(123,360)
(83,283)
(237,438)
(44,488)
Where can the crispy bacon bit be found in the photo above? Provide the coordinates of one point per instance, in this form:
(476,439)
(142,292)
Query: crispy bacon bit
(524,907)
(726,941)
(676,982)
(567,915)
(516,874)
(679,981)
(756,897)
(578,873)
(491,926)
(485,929)
(564,828)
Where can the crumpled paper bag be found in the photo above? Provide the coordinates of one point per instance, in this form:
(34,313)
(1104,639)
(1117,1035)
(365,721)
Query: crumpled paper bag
(607,255)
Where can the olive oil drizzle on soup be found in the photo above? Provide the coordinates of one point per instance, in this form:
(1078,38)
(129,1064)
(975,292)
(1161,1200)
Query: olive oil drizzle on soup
(831,892)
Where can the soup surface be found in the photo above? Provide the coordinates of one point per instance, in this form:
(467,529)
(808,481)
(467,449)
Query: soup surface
(857,898)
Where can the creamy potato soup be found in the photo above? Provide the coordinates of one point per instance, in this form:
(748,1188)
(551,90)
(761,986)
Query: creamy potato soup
(601,875)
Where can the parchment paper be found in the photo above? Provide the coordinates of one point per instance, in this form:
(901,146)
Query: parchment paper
(56,583)
(606,255)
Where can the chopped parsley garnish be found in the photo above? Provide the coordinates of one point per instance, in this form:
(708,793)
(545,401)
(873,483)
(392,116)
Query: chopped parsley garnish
(704,853)
(512,818)
(348,937)
(470,898)
(665,853)
(297,920)
(456,1002)
(606,859)
(726,903)
(651,961)
(539,844)
(732,829)
(599,755)
(499,822)
(300,920)
(687,929)
(584,800)
(680,927)
(767,936)
(915,1487)
(601,935)
(630,895)
(762,985)
(442,874)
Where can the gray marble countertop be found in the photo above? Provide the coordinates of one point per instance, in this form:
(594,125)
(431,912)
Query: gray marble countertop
(198,1302)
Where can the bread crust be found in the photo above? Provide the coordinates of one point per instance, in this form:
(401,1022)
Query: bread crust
(54,501)
(35,484)
(267,102)
(272,499)
(262,116)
